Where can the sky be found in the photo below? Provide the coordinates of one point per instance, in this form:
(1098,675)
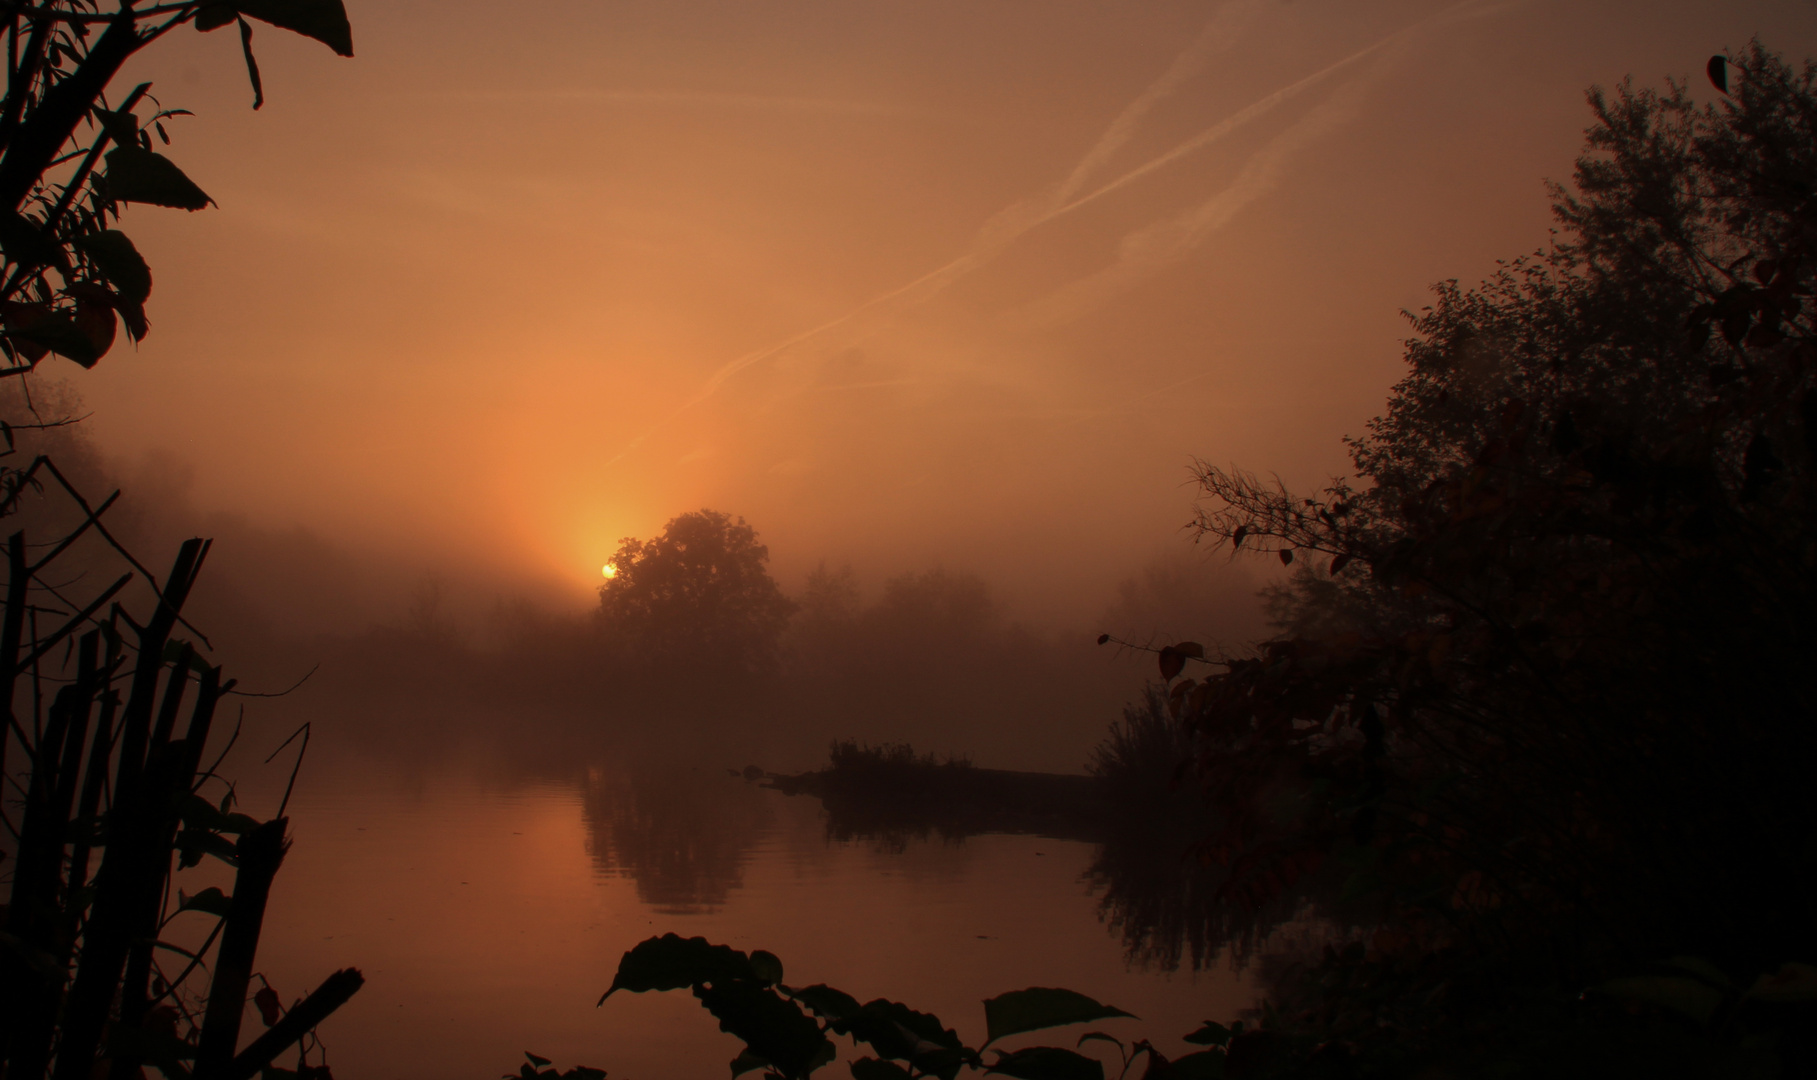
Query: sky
(969,284)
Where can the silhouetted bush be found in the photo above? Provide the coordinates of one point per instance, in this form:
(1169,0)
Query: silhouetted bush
(1547,698)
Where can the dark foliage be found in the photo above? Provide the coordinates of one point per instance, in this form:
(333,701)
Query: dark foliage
(113,776)
(114,810)
(789,1032)
(1547,697)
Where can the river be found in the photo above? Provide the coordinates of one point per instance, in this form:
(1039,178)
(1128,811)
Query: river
(489,915)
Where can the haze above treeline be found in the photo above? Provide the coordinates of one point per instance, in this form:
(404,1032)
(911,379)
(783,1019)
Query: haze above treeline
(934,287)
(399,657)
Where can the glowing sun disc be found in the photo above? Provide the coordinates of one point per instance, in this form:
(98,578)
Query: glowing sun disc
(609,570)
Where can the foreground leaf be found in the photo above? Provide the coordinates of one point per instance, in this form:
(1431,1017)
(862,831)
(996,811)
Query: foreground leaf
(896,1031)
(671,962)
(37,329)
(1047,1063)
(192,844)
(135,174)
(210,900)
(767,967)
(323,20)
(826,1001)
(271,1010)
(773,1028)
(25,243)
(1041,1007)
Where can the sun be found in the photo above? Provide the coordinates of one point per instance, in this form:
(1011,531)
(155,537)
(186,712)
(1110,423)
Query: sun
(609,570)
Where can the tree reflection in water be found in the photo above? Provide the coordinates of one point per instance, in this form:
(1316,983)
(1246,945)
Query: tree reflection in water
(1156,889)
(1159,897)
(681,833)
(1155,892)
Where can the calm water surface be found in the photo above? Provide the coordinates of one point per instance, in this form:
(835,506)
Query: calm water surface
(489,918)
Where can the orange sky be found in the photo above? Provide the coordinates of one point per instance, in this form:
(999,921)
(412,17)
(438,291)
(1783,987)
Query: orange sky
(900,283)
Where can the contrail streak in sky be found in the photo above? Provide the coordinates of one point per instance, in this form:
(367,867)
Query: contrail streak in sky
(1015,222)
(1217,37)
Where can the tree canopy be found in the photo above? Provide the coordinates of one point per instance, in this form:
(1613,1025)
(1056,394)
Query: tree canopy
(70,158)
(700,596)
(1544,689)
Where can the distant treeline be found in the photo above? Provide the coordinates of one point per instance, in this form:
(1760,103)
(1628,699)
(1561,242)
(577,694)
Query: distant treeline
(405,660)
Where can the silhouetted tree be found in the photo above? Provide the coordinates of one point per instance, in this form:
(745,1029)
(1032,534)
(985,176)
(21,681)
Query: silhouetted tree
(70,158)
(1548,689)
(697,596)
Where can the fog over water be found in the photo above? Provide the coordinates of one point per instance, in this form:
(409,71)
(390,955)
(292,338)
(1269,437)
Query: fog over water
(945,301)
(943,286)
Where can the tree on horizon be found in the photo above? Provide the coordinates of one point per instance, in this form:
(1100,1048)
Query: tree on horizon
(698,597)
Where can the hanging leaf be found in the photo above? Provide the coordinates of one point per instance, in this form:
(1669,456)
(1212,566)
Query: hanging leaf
(135,174)
(122,126)
(94,319)
(271,1010)
(215,16)
(211,901)
(1718,71)
(36,329)
(112,252)
(1236,538)
(1041,1007)
(192,844)
(1047,1063)
(1102,638)
(25,243)
(252,66)
(323,20)
(1286,556)
(198,813)
(1173,661)
(1338,562)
